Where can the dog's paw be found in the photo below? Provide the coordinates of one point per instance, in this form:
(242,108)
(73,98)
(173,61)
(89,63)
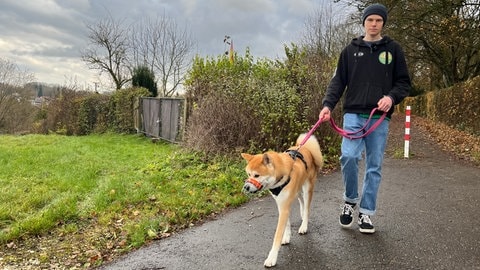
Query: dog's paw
(303,229)
(270,262)
(286,237)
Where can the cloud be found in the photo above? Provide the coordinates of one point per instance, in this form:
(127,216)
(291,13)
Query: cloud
(47,36)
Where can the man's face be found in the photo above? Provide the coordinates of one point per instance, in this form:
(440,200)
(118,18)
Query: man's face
(373,25)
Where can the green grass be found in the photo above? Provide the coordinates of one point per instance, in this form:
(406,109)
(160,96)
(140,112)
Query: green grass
(59,183)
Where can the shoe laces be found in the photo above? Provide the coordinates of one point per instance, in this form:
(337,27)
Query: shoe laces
(347,209)
(365,219)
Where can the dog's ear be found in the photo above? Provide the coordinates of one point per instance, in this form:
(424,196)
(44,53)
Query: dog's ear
(266,159)
(246,156)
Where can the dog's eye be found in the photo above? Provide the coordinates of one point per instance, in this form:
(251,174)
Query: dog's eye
(256,175)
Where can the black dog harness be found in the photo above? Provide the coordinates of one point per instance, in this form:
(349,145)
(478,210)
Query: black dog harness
(293,154)
(277,190)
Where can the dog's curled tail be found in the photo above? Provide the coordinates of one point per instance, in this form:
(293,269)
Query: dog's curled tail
(314,148)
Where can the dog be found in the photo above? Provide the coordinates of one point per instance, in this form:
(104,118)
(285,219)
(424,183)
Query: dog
(288,175)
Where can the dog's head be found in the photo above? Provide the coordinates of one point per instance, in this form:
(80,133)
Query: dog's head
(260,170)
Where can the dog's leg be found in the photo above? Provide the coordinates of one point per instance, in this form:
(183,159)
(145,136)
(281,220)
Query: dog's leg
(306,198)
(287,234)
(301,202)
(283,203)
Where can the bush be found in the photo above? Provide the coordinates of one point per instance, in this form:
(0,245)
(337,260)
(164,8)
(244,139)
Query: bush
(123,105)
(255,105)
(60,115)
(456,106)
(83,113)
(19,117)
(93,114)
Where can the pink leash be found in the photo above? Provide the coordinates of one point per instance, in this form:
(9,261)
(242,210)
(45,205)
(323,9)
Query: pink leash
(344,133)
(350,135)
(310,132)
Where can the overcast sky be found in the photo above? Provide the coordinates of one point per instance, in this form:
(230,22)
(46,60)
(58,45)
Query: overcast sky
(46,36)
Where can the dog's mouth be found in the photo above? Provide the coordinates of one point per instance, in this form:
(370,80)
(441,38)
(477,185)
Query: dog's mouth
(251,185)
(255,183)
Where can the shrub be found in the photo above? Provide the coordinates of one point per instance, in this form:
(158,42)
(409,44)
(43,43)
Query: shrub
(62,113)
(456,106)
(255,106)
(83,113)
(122,104)
(94,115)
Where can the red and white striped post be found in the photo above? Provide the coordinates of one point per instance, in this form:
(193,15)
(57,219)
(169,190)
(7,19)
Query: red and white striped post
(407,132)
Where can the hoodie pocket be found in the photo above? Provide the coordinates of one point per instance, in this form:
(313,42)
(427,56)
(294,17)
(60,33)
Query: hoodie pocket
(363,96)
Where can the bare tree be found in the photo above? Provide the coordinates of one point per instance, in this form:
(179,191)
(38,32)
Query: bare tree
(165,48)
(327,34)
(441,38)
(13,95)
(108,50)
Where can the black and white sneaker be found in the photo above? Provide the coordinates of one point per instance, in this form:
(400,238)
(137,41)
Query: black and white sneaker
(346,218)
(365,224)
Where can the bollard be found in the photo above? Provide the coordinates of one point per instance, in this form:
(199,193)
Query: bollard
(407,132)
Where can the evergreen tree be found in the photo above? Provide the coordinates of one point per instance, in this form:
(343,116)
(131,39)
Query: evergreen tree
(144,77)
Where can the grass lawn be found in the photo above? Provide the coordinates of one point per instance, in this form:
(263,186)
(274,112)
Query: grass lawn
(105,194)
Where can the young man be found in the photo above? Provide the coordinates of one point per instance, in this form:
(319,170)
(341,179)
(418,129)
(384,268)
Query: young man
(371,73)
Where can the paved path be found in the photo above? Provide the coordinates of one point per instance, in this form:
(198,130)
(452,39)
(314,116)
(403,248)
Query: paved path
(427,218)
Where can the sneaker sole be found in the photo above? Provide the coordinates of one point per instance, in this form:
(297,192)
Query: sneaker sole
(346,226)
(369,231)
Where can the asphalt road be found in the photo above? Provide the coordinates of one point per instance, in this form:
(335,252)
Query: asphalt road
(427,218)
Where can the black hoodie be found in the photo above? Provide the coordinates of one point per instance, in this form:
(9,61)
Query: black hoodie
(366,73)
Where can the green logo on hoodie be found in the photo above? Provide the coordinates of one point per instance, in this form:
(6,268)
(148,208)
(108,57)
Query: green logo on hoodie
(383,57)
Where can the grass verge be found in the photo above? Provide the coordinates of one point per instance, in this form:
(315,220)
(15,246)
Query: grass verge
(104,194)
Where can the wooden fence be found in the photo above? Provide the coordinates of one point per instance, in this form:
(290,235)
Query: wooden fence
(162,118)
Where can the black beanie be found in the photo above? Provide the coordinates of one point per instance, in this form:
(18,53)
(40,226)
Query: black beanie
(377,9)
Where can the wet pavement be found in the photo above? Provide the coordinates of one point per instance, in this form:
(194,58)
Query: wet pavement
(427,218)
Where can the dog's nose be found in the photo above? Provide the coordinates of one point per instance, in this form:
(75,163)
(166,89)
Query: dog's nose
(249,188)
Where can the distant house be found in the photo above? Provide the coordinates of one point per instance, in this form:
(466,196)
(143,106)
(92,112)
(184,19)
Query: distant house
(40,101)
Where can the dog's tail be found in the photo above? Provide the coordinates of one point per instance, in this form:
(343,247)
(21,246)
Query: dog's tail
(314,148)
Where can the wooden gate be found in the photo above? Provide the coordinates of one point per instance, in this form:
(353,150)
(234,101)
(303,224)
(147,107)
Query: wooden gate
(162,118)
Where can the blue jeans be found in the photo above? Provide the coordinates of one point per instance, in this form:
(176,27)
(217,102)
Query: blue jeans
(374,147)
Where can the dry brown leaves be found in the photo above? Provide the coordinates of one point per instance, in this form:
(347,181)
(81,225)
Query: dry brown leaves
(461,144)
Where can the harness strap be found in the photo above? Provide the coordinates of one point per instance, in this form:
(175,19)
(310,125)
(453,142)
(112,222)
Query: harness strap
(351,135)
(294,154)
(277,190)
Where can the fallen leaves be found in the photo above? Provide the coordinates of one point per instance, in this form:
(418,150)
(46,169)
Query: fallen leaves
(459,143)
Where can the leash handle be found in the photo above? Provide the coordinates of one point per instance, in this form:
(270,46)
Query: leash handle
(344,133)
(351,134)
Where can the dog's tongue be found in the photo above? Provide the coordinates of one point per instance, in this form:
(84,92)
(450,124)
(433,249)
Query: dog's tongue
(255,183)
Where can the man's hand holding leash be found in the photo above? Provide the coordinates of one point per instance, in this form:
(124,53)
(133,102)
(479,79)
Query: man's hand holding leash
(324,114)
(385,103)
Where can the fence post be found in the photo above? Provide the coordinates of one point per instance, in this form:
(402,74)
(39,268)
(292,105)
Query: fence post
(137,112)
(407,132)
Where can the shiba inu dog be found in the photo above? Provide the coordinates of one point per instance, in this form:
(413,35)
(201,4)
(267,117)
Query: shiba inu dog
(288,175)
